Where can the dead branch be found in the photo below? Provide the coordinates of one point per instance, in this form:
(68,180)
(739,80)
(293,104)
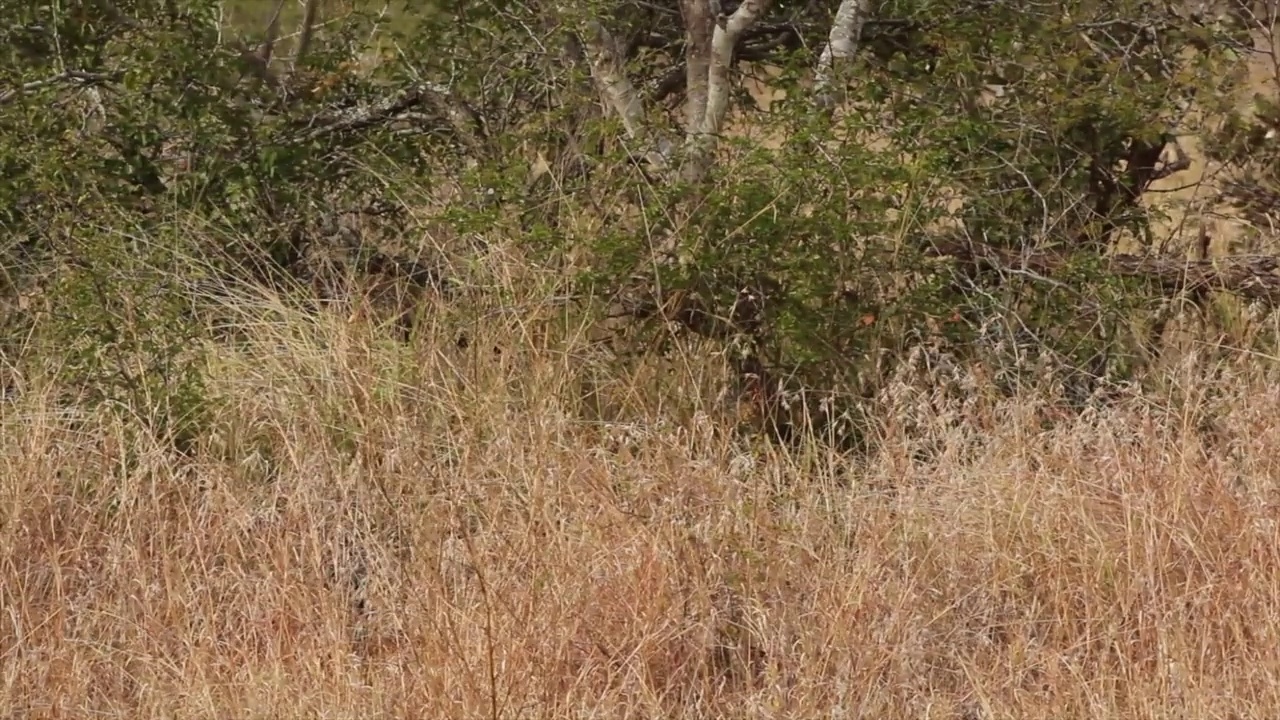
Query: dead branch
(1248,276)
(466,121)
(74,77)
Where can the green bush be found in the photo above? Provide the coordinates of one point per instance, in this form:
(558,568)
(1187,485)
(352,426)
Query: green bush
(968,131)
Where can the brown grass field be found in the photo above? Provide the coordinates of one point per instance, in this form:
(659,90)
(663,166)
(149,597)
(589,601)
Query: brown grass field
(379,531)
(373,530)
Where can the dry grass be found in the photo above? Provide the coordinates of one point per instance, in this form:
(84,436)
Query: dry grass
(380,531)
(372,530)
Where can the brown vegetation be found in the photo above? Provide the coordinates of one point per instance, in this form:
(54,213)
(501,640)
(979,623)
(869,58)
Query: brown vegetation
(424,487)
(374,531)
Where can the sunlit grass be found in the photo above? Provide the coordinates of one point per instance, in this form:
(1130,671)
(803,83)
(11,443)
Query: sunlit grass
(376,530)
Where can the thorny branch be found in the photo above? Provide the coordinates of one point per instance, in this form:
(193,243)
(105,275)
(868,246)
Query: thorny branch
(1250,276)
(77,77)
(466,120)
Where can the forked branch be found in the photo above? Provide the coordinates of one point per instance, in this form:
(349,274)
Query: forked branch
(700,145)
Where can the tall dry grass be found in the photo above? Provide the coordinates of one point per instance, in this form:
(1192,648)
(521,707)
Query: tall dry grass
(373,530)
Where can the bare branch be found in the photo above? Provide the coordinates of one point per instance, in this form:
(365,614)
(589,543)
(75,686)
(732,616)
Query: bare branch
(77,77)
(846,34)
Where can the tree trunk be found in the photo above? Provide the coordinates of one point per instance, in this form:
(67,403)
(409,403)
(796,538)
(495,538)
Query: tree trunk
(846,34)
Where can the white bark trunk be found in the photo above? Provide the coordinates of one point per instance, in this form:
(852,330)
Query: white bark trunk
(701,144)
(619,92)
(606,68)
(699,23)
(842,44)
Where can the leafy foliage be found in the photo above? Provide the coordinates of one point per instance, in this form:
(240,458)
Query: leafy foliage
(1008,125)
(125,124)
(1005,124)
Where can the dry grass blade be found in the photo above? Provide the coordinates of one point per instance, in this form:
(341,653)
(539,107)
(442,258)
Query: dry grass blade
(510,560)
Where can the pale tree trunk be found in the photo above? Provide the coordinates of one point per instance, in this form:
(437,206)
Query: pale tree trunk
(709,56)
(699,24)
(846,34)
(711,39)
(700,145)
(618,91)
(710,42)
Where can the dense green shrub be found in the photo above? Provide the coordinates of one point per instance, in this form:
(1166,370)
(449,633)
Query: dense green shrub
(985,160)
